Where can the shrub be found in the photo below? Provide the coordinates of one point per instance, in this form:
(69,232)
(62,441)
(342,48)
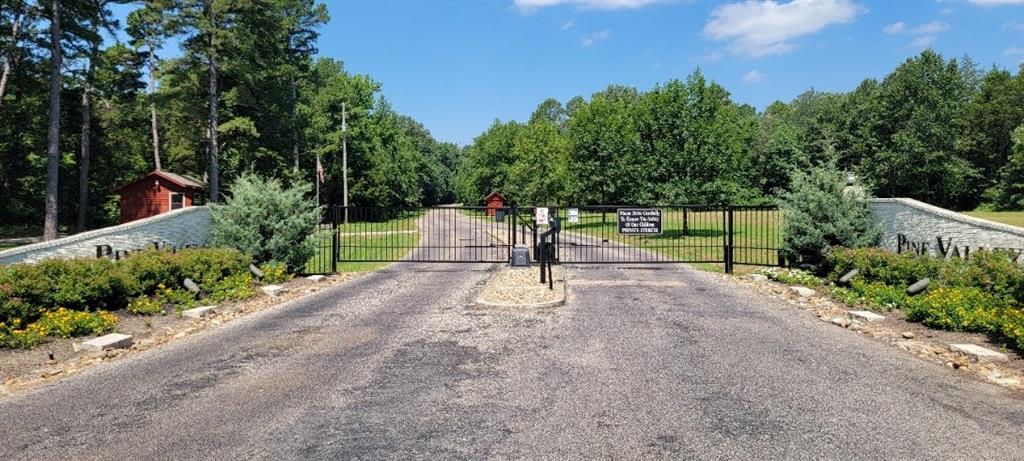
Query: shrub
(21,339)
(992,271)
(820,214)
(67,323)
(957,309)
(790,276)
(267,221)
(233,287)
(275,272)
(876,295)
(880,266)
(144,305)
(208,266)
(29,290)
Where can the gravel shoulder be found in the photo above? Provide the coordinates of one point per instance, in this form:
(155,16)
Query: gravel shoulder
(520,287)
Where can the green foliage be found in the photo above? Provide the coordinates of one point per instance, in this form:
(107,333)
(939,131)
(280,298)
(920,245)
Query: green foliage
(144,305)
(233,288)
(790,276)
(1008,194)
(980,294)
(267,221)
(876,265)
(820,213)
(275,272)
(957,309)
(994,272)
(874,295)
(67,323)
(27,291)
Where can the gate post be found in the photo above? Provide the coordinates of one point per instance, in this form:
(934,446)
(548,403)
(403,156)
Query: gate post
(730,245)
(335,236)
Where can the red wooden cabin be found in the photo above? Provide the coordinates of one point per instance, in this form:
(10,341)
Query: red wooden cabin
(493,202)
(157,192)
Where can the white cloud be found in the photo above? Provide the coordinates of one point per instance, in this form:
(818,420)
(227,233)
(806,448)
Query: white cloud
(946,11)
(923,41)
(759,28)
(895,28)
(566,25)
(753,76)
(529,6)
(1014,51)
(1013,24)
(987,3)
(924,34)
(595,37)
(930,28)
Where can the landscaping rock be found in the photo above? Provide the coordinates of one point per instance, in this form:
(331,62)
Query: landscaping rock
(865,316)
(111,341)
(908,334)
(316,278)
(841,321)
(199,312)
(978,353)
(803,292)
(273,290)
(757,277)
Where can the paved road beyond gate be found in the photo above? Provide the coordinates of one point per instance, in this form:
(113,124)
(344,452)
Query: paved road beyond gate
(721,234)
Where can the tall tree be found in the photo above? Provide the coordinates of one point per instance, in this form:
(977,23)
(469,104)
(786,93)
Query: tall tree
(17,16)
(53,130)
(209,27)
(148,28)
(98,17)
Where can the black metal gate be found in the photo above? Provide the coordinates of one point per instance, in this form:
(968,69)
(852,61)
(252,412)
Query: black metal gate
(727,235)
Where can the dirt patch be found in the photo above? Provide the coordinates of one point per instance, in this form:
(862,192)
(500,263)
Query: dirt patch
(919,340)
(24,369)
(521,287)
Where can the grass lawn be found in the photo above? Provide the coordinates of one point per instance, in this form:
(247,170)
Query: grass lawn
(695,236)
(393,240)
(1013,218)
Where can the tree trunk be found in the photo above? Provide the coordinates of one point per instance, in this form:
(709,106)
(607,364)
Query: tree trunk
(86,154)
(214,102)
(9,56)
(53,132)
(295,123)
(152,109)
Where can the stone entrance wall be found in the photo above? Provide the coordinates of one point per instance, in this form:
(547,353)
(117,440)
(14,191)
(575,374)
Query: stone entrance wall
(180,228)
(912,226)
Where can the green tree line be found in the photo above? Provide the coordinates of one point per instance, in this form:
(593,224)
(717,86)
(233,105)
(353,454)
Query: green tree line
(81,113)
(935,129)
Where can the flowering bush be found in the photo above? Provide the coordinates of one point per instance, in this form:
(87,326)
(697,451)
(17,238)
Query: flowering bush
(67,323)
(144,305)
(790,276)
(957,309)
(876,265)
(233,287)
(275,272)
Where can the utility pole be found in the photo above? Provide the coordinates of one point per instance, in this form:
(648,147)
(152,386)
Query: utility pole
(344,162)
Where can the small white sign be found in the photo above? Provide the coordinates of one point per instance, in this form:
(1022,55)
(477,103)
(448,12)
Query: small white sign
(541,215)
(574,215)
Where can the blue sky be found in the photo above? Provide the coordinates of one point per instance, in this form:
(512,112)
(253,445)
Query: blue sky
(458,65)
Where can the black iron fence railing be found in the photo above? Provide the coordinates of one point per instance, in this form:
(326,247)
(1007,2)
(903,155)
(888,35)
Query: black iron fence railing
(605,234)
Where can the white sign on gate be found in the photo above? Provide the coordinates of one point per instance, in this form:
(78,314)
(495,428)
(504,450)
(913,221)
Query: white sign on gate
(541,216)
(574,215)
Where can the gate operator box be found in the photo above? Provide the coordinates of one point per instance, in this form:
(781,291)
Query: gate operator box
(520,256)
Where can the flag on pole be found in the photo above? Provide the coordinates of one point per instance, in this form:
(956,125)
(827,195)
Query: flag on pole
(319,170)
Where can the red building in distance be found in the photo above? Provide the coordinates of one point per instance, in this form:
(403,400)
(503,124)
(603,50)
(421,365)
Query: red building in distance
(158,192)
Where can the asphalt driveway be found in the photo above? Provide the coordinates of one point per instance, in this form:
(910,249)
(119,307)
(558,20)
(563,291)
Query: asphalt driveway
(641,363)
